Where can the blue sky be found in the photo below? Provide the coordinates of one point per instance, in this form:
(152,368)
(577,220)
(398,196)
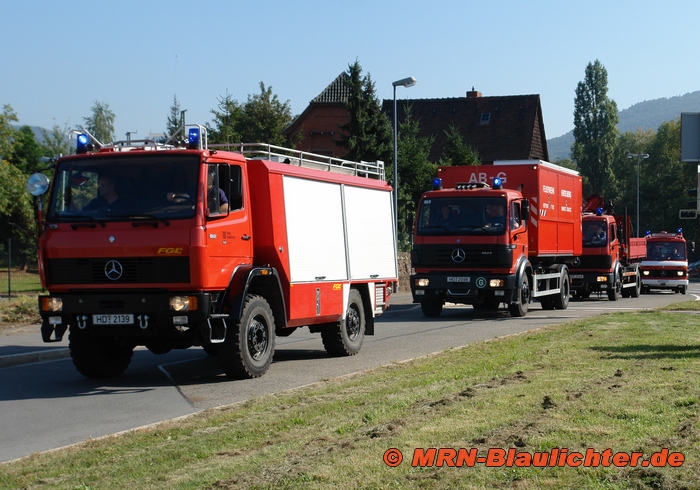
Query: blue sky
(60,57)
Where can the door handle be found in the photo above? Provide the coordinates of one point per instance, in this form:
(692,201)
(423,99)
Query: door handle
(245,237)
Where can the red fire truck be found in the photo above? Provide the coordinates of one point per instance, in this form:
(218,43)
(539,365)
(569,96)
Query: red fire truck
(493,234)
(666,263)
(213,248)
(611,257)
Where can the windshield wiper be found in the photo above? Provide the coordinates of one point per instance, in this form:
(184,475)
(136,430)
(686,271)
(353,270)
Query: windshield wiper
(143,219)
(91,221)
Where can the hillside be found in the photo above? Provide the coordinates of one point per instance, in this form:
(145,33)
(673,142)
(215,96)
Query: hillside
(644,115)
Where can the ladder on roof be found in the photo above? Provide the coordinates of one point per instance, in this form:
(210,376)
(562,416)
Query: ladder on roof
(264,151)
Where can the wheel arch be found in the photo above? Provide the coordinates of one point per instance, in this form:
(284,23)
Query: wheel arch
(263,281)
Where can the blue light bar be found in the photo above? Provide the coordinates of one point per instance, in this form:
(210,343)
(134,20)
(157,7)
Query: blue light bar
(82,144)
(497,183)
(194,140)
(437,184)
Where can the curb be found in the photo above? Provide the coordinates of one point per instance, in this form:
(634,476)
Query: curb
(29,357)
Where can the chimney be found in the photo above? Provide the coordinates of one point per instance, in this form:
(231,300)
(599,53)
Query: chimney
(473,94)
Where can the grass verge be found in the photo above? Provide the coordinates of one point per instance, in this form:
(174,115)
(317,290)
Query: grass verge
(627,382)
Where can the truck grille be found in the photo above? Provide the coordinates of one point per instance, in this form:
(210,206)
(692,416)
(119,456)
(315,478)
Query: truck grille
(597,262)
(134,270)
(494,256)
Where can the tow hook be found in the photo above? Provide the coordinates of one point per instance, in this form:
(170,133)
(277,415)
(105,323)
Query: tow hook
(143,321)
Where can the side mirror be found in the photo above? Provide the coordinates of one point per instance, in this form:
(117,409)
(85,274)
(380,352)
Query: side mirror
(525,211)
(37,184)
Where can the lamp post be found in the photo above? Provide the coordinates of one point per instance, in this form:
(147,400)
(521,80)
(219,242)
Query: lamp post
(638,156)
(404,82)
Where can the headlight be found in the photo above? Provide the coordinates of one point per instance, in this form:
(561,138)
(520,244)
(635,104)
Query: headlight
(681,273)
(646,273)
(601,279)
(423,282)
(183,303)
(51,304)
(496,283)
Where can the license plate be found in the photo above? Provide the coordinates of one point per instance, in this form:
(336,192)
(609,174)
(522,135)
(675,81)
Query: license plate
(457,279)
(576,276)
(120,319)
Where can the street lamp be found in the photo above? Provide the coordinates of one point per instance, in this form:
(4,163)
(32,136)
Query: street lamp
(404,82)
(638,156)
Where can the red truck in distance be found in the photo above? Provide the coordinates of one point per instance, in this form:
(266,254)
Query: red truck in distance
(497,234)
(666,263)
(610,260)
(223,248)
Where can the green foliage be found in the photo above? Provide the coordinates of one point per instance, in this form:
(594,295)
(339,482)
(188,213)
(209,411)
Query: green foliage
(100,123)
(174,119)
(16,212)
(260,120)
(7,131)
(264,117)
(368,135)
(226,121)
(26,152)
(415,172)
(456,151)
(595,133)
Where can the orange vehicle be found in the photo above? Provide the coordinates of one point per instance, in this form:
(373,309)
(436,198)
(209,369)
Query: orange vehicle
(213,248)
(493,234)
(610,261)
(666,263)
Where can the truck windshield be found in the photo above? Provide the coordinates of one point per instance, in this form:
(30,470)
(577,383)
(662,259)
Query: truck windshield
(120,187)
(462,216)
(665,251)
(594,234)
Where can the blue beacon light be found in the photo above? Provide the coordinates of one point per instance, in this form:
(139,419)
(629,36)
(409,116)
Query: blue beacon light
(194,139)
(497,183)
(82,143)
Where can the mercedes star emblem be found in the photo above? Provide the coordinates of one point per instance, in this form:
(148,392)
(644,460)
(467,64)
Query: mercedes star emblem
(458,255)
(113,270)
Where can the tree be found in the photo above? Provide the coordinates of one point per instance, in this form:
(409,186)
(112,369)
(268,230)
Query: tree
(226,121)
(54,142)
(174,121)
(7,131)
(264,117)
(368,135)
(16,212)
(415,173)
(456,151)
(595,133)
(100,124)
(25,152)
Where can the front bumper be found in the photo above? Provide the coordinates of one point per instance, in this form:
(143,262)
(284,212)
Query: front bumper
(462,287)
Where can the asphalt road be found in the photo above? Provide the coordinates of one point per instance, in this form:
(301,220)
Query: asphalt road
(48,404)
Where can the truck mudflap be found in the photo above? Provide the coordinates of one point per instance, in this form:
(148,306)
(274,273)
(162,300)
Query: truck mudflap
(132,314)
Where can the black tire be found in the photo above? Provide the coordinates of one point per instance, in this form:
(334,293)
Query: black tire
(637,289)
(615,292)
(249,347)
(561,300)
(520,308)
(547,302)
(432,307)
(98,357)
(345,337)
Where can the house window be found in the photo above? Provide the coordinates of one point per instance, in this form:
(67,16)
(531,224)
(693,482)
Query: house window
(485,118)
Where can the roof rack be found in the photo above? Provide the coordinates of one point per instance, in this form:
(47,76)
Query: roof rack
(305,159)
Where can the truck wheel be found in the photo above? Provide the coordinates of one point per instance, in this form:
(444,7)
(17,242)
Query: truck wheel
(615,292)
(637,289)
(432,307)
(98,357)
(561,300)
(520,308)
(547,302)
(248,349)
(345,337)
